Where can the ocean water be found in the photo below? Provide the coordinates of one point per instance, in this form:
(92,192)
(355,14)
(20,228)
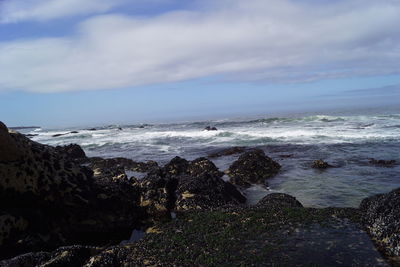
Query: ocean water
(347,142)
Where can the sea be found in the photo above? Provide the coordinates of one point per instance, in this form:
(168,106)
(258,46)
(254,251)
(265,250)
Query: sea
(346,141)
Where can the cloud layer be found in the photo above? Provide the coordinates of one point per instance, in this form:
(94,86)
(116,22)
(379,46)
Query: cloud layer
(259,40)
(13,11)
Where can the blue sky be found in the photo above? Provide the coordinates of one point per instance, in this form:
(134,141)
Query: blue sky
(70,62)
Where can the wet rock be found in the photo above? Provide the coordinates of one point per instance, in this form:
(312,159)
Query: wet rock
(72,151)
(206,191)
(320,164)
(157,196)
(176,166)
(48,200)
(57,135)
(121,164)
(203,166)
(209,128)
(382,163)
(252,167)
(62,257)
(381,216)
(31,135)
(92,129)
(74,132)
(182,185)
(227,152)
(279,200)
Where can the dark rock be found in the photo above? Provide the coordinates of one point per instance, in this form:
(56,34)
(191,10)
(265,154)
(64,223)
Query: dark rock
(92,129)
(74,132)
(227,152)
(206,192)
(72,151)
(209,128)
(8,148)
(57,135)
(279,200)
(320,164)
(26,260)
(182,185)
(119,129)
(176,166)
(48,200)
(203,166)
(383,163)
(157,196)
(141,127)
(31,135)
(285,156)
(252,167)
(121,164)
(381,216)
(62,257)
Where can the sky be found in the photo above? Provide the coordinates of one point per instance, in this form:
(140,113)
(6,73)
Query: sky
(73,62)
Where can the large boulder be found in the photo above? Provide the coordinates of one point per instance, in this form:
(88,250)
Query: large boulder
(206,191)
(8,148)
(381,216)
(252,167)
(186,185)
(48,200)
(72,151)
(157,195)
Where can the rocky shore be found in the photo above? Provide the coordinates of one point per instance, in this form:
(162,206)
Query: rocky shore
(61,208)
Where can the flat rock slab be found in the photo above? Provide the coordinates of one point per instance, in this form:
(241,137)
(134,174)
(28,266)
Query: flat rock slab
(266,236)
(339,243)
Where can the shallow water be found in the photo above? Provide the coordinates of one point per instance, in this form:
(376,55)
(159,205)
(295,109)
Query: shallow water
(348,142)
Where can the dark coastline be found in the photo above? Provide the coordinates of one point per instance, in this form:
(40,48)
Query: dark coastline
(57,197)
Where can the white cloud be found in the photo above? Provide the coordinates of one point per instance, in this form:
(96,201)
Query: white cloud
(12,11)
(259,40)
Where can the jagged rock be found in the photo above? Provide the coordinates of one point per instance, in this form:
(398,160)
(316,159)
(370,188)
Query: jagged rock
(48,200)
(320,164)
(252,167)
(381,216)
(383,163)
(228,152)
(202,166)
(206,191)
(157,196)
(280,200)
(176,166)
(8,148)
(182,185)
(72,151)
